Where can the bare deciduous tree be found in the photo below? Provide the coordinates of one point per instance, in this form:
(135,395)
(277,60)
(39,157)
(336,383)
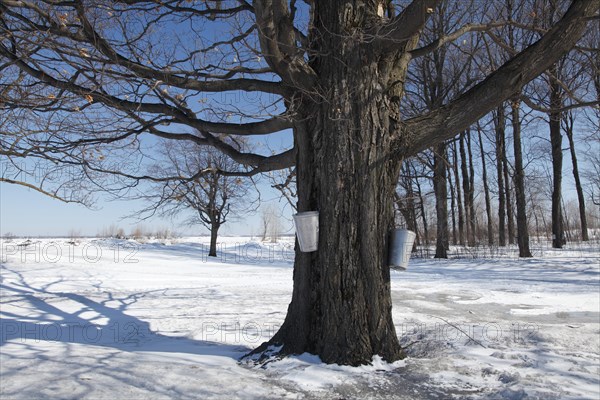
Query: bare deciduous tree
(271,225)
(499,126)
(210,199)
(108,77)
(486,190)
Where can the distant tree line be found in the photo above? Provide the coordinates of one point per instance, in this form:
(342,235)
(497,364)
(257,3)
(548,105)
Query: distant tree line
(501,180)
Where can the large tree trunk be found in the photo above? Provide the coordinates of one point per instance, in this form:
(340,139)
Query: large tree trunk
(341,306)
(500,124)
(569,125)
(510,221)
(441,201)
(473,220)
(459,201)
(214,233)
(522,229)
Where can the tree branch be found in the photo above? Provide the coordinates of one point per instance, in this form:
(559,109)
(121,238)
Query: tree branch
(546,110)
(394,35)
(39,189)
(170,78)
(444,122)
(439,42)
(278,44)
(275,124)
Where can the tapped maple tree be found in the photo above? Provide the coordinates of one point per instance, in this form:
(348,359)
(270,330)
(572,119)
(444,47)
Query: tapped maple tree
(116,76)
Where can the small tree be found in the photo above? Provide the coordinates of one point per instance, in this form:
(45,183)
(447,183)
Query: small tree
(209,199)
(271,226)
(592,172)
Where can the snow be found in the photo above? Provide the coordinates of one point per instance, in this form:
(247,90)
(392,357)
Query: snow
(120,319)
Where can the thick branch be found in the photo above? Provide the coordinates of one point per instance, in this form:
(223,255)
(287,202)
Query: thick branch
(175,5)
(259,163)
(274,124)
(277,41)
(443,123)
(272,163)
(398,31)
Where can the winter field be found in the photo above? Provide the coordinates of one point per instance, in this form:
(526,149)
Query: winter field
(108,319)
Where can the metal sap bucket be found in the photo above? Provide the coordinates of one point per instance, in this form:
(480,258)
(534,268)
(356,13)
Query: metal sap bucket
(307,230)
(401,243)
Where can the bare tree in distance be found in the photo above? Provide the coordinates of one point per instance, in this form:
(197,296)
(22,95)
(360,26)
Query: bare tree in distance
(499,127)
(569,128)
(406,201)
(486,189)
(592,70)
(111,77)
(592,172)
(210,200)
(271,223)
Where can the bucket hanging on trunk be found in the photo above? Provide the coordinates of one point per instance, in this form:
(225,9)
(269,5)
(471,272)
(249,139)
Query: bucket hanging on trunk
(401,243)
(307,230)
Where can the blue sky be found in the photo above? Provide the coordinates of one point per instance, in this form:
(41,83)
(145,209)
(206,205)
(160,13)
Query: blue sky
(25,212)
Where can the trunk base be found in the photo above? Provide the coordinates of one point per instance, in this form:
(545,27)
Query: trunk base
(271,351)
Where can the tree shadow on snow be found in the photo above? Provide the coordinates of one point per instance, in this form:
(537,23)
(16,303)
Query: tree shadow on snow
(83,320)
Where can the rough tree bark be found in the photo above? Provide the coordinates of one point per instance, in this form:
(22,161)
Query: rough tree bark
(459,196)
(440,189)
(500,124)
(558,233)
(341,305)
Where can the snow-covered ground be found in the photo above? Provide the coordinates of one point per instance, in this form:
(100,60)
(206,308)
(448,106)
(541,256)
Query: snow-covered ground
(109,319)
